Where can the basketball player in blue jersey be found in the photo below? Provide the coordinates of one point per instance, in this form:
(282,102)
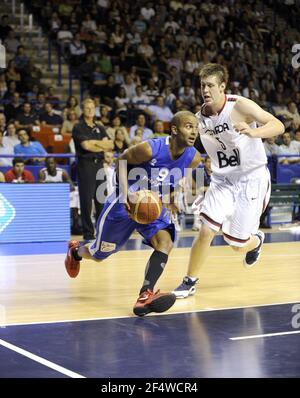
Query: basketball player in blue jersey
(240,183)
(159,158)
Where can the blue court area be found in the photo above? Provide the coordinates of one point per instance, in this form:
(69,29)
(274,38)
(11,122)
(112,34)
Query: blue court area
(14,249)
(255,342)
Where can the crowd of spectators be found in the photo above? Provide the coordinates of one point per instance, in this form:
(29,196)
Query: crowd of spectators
(140,62)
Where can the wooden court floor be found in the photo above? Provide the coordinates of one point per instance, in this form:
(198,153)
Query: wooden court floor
(36,288)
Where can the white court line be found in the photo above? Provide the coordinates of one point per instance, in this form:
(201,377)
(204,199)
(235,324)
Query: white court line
(257,336)
(131,316)
(41,360)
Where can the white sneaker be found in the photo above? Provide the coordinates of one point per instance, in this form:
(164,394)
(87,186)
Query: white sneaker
(253,255)
(186,288)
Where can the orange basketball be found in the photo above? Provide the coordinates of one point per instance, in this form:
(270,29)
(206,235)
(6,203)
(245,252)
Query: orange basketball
(145,207)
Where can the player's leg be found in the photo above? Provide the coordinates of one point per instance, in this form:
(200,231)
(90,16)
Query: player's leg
(113,229)
(214,209)
(241,231)
(198,256)
(162,242)
(162,245)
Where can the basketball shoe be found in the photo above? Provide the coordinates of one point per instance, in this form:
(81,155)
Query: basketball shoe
(253,255)
(149,301)
(72,265)
(186,288)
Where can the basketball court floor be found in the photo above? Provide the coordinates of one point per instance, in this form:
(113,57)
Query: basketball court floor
(240,323)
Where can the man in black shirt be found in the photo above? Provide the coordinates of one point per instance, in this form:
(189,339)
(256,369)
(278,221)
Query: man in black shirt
(91,141)
(26,119)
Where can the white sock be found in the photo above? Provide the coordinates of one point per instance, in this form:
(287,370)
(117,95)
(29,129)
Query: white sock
(191,278)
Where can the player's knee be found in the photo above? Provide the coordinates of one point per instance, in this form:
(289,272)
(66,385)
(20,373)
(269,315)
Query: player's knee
(164,246)
(206,232)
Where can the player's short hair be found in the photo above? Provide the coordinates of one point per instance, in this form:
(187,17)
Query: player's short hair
(176,119)
(214,69)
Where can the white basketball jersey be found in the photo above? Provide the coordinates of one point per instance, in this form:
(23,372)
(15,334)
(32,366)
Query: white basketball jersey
(57,178)
(230,151)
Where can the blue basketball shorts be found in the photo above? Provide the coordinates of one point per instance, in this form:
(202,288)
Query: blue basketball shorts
(114,228)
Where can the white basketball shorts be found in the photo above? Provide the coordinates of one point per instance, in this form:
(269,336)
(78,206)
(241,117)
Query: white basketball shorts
(235,204)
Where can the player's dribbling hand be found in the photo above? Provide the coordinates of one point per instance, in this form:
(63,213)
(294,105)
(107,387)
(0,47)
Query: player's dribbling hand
(244,128)
(130,198)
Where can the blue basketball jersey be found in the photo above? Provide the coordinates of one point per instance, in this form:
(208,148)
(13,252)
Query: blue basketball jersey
(161,173)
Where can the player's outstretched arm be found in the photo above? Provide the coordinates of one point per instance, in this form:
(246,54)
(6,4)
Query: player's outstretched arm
(249,111)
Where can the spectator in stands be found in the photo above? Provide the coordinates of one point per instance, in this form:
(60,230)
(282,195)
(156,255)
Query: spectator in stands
(140,100)
(140,123)
(186,95)
(18,174)
(77,51)
(68,124)
(119,142)
(26,119)
(64,38)
(159,130)
(129,86)
(296,140)
(250,87)
(12,73)
(117,124)
(104,116)
(291,115)
(159,110)
(52,173)
(27,147)
(271,147)
(289,147)
(51,119)
(11,89)
(147,11)
(169,96)
(118,76)
(52,98)
(10,137)
(145,51)
(5,28)
(72,105)
(122,102)
(151,90)
(39,104)
(32,75)
(109,91)
(5,150)
(89,24)
(12,109)
(11,42)
(21,59)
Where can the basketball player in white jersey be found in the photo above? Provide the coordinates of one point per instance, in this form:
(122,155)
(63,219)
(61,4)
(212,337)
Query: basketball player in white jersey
(231,129)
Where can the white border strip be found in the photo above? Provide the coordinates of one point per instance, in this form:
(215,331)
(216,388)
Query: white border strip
(257,336)
(41,360)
